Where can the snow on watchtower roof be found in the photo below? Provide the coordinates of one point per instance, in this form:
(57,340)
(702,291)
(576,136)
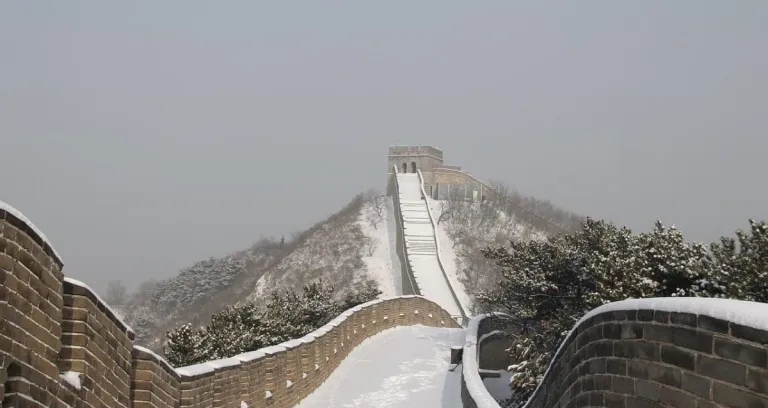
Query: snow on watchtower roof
(33,230)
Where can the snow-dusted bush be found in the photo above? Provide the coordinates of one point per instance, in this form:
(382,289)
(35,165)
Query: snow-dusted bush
(241,328)
(547,285)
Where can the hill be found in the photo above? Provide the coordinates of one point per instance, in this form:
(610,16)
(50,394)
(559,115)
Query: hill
(465,227)
(348,249)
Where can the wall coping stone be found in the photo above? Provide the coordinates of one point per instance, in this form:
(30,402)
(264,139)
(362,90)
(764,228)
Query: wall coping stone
(740,312)
(470,366)
(211,366)
(7,212)
(100,303)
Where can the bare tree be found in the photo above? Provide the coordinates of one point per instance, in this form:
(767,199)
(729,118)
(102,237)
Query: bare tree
(145,291)
(377,204)
(117,293)
(455,205)
(370,245)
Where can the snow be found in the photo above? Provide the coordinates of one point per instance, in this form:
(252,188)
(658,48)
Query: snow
(379,263)
(421,246)
(72,378)
(16,213)
(750,314)
(210,366)
(399,367)
(100,300)
(155,355)
(471,368)
(448,258)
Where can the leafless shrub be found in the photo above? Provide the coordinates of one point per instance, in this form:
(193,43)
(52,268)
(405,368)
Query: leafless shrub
(370,245)
(117,293)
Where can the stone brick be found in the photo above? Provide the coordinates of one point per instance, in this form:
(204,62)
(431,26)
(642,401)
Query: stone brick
(612,331)
(637,402)
(631,331)
(678,357)
(657,332)
(647,389)
(720,369)
(616,366)
(749,333)
(713,324)
(645,315)
(660,316)
(646,350)
(614,400)
(741,352)
(659,373)
(693,339)
(697,385)
(672,397)
(757,380)
(602,382)
(733,397)
(622,385)
(684,319)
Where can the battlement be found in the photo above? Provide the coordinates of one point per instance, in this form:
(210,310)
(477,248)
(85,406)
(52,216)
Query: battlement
(61,345)
(433,152)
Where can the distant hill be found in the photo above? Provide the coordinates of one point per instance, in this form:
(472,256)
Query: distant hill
(351,247)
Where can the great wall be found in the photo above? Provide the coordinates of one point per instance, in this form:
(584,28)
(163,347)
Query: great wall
(635,353)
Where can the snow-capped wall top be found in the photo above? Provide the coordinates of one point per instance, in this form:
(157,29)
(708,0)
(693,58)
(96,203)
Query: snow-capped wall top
(750,314)
(462,308)
(470,368)
(16,213)
(210,366)
(76,282)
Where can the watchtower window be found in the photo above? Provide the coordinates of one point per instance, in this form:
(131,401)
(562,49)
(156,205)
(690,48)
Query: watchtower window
(413,167)
(405,167)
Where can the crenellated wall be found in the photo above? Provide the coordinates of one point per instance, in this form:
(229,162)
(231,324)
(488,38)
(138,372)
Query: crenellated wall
(671,352)
(53,327)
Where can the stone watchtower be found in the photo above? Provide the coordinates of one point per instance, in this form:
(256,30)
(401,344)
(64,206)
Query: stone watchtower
(408,159)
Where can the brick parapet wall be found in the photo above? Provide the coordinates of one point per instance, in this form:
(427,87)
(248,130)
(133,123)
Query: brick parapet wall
(50,324)
(666,356)
(95,343)
(282,375)
(30,314)
(473,391)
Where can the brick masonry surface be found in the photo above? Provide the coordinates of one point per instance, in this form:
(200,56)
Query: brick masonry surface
(50,325)
(651,358)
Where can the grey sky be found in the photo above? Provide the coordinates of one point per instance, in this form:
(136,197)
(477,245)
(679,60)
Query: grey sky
(143,136)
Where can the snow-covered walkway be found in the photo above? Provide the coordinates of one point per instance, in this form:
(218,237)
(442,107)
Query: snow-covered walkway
(399,367)
(420,245)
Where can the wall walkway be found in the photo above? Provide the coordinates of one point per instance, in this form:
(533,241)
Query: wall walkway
(61,345)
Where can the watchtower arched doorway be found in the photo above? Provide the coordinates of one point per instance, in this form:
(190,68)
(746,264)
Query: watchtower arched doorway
(405,167)
(413,167)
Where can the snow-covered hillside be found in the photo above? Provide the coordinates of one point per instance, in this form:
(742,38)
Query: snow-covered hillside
(351,247)
(464,229)
(377,222)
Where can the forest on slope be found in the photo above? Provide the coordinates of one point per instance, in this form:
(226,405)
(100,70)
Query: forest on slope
(335,250)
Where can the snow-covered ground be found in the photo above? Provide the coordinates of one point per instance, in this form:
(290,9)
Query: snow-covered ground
(448,257)
(399,367)
(420,245)
(375,218)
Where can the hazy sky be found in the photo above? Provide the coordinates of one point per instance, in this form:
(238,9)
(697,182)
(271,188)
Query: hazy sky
(141,136)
